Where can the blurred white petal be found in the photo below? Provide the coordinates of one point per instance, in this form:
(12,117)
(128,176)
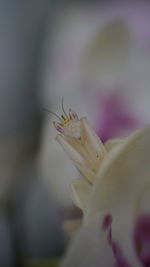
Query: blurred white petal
(121,179)
(111,143)
(71,226)
(81,191)
(90,247)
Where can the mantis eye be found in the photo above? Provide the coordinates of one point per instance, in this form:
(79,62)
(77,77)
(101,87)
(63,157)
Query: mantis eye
(73,115)
(58,127)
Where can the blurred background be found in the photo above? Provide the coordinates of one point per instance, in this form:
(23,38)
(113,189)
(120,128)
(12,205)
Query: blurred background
(94,54)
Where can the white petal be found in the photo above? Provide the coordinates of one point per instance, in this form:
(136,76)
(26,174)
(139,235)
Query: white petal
(144,204)
(81,191)
(71,227)
(123,173)
(123,231)
(108,55)
(90,248)
(110,144)
(121,179)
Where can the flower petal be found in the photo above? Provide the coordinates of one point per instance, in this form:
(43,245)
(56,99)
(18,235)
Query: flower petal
(90,247)
(107,58)
(122,177)
(71,226)
(81,191)
(142,238)
(111,143)
(144,206)
(142,228)
(119,175)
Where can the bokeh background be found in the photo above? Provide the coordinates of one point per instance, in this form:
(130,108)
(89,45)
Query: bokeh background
(94,54)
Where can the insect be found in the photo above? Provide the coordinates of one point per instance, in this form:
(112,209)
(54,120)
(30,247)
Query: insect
(80,142)
(69,124)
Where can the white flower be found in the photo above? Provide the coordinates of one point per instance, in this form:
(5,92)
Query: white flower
(118,199)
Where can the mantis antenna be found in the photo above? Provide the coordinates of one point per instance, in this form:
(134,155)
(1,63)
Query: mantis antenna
(62,105)
(53,113)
